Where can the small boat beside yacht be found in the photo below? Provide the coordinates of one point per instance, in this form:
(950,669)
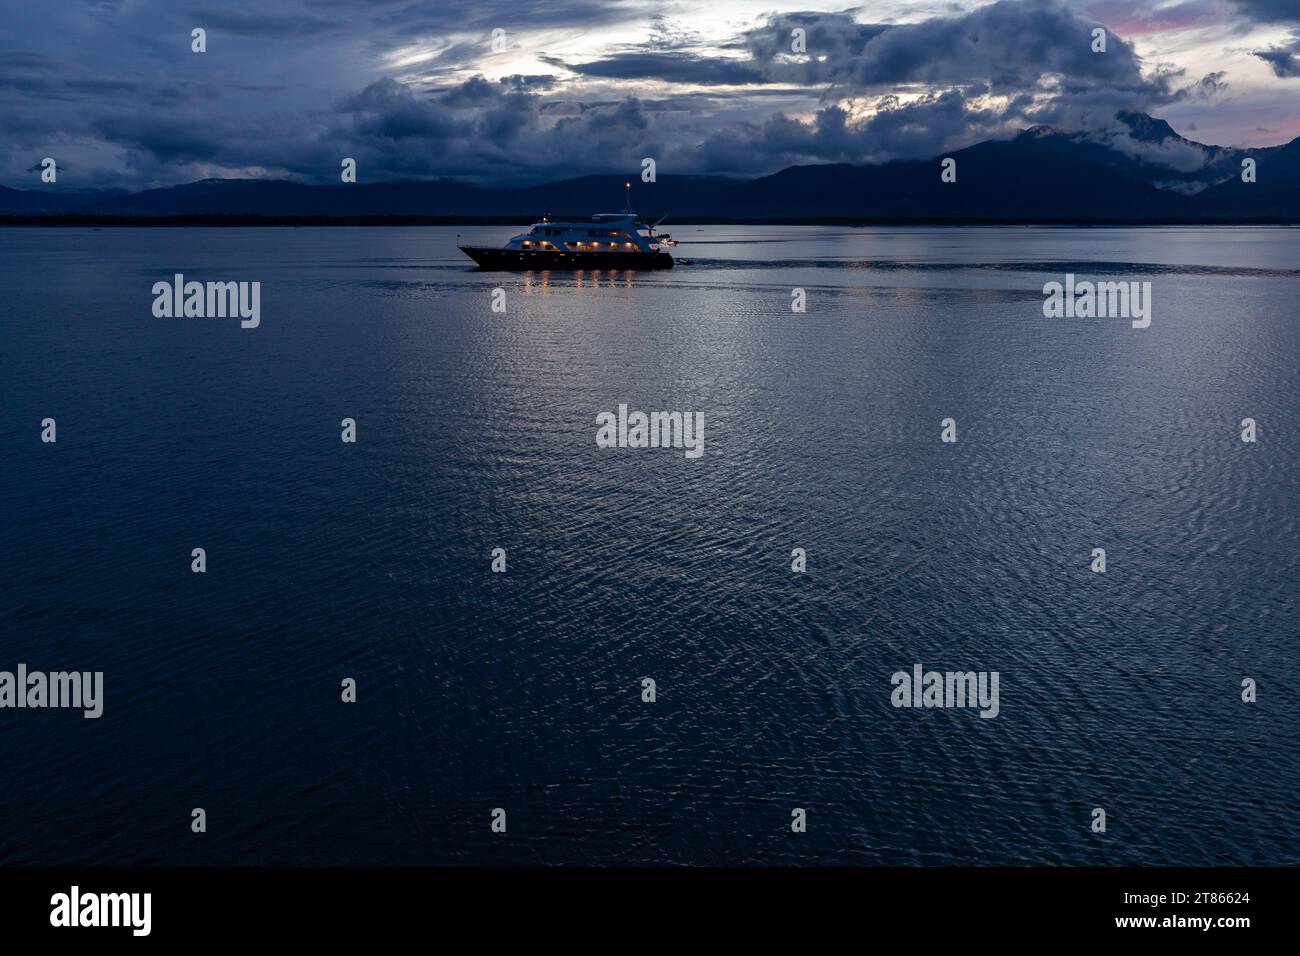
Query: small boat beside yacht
(609,240)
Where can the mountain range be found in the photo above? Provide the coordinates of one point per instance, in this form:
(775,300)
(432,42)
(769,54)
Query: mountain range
(1139,170)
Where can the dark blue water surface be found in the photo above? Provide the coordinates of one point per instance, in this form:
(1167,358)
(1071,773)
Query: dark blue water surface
(523,690)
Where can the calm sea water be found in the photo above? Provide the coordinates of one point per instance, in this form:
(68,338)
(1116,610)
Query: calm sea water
(522,690)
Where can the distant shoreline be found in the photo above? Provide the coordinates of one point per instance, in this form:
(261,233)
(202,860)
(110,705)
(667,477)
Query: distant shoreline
(850,221)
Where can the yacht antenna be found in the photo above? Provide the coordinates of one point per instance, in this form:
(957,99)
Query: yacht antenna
(627,203)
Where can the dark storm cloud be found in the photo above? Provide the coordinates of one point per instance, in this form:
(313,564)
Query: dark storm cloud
(259,22)
(488,130)
(119,97)
(162,138)
(1269,11)
(835,36)
(1037,55)
(1212,84)
(1014,50)
(1008,45)
(671,67)
(833,41)
(923,127)
(1283,60)
(390,23)
(476,127)
(28,74)
(532,81)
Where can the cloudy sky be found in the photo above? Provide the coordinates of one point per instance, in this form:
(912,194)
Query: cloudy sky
(287,88)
